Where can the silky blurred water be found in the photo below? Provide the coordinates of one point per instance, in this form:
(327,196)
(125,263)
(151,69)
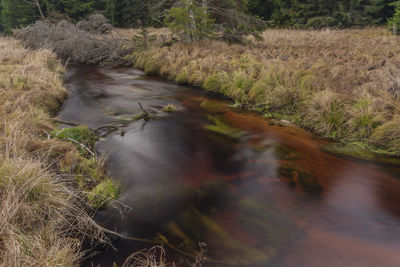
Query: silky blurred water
(256,194)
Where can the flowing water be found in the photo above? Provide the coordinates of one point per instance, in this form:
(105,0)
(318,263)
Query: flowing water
(256,194)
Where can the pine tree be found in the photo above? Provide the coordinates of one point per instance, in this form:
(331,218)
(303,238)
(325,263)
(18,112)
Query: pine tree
(190,20)
(16,13)
(75,9)
(394,22)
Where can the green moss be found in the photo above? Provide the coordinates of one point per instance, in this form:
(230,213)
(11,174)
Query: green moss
(80,134)
(89,172)
(362,150)
(103,194)
(220,127)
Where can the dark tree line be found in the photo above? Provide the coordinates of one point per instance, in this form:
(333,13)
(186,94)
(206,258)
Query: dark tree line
(130,13)
(323,13)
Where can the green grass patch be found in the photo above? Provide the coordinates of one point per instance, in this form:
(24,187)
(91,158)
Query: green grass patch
(103,194)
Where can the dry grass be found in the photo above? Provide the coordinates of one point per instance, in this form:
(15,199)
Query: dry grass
(43,215)
(341,84)
(154,257)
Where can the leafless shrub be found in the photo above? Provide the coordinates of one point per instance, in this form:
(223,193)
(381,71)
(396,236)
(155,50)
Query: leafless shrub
(79,43)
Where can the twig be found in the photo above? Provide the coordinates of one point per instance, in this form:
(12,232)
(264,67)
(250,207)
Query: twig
(48,135)
(161,242)
(82,145)
(110,129)
(67,62)
(141,107)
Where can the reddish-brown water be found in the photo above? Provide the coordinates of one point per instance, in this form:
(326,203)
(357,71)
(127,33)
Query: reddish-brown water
(256,194)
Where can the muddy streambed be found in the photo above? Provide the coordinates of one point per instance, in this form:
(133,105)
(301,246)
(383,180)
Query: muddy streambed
(256,194)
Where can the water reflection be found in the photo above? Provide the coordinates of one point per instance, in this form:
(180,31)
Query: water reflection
(256,194)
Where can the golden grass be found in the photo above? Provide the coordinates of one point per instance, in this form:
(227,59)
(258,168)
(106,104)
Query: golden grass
(339,83)
(43,215)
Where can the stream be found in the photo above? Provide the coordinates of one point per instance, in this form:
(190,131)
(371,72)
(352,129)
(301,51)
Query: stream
(256,194)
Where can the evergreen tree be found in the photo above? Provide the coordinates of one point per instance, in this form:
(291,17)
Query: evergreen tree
(16,13)
(75,9)
(394,22)
(190,19)
(234,17)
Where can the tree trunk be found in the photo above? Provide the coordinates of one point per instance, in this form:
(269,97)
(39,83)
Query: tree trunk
(204,5)
(192,22)
(39,8)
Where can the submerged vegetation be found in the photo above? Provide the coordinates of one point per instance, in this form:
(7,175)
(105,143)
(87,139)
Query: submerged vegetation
(339,84)
(45,182)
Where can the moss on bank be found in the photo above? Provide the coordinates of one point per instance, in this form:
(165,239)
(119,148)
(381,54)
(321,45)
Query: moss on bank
(339,84)
(44,180)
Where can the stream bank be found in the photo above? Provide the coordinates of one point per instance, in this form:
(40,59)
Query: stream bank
(256,194)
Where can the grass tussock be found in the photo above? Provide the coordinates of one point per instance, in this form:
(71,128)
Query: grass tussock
(170,108)
(340,84)
(44,215)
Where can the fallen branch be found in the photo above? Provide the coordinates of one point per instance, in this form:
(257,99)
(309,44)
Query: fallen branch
(110,129)
(141,107)
(146,116)
(65,122)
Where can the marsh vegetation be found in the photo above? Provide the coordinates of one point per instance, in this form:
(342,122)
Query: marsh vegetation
(339,84)
(198,166)
(46,182)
